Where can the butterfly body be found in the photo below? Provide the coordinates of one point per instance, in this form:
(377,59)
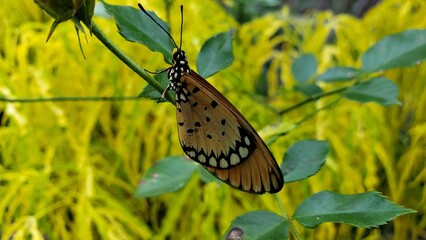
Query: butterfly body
(215,134)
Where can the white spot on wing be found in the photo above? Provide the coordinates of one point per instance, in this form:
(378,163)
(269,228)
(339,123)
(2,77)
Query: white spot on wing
(235,159)
(191,154)
(202,158)
(213,162)
(243,152)
(223,163)
(247,141)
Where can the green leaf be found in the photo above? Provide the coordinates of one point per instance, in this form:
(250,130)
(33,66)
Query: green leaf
(215,54)
(303,159)
(167,175)
(152,93)
(260,225)
(369,209)
(398,50)
(135,26)
(304,67)
(308,89)
(339,74)
(380,90)
(245,11)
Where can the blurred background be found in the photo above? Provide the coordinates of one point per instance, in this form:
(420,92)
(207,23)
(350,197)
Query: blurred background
(69,170)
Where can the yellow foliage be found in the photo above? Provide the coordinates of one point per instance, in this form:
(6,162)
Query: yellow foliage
(68,170)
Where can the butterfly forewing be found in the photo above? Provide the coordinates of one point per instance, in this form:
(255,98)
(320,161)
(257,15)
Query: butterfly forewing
(215,134)
(210,133)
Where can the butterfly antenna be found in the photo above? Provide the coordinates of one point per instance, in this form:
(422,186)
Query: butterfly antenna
(168,34)
(181,25)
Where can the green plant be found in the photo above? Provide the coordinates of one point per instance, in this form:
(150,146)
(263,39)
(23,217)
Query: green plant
(363,89)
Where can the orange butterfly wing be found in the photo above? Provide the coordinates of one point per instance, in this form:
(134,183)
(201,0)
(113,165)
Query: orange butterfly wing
(215,134)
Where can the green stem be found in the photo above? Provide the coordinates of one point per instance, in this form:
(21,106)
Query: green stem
(71,98)
(129,62)
(275,137)
(296,234)
(313,98)
(312,114)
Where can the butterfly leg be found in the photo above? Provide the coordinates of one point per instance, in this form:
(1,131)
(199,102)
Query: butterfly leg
(163,96)
(156,71)
(168,87)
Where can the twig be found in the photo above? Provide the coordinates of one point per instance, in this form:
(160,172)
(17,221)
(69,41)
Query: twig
(129,62)
(71,98)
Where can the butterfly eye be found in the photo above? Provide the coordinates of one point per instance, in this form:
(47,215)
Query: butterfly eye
(175,56)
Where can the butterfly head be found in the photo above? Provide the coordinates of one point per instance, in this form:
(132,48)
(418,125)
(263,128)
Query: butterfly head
(178,55)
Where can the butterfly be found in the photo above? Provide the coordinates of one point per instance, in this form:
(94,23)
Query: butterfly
(215,134)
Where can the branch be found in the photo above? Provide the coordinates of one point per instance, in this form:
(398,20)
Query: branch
(129,62)
(72,98)
(312,99)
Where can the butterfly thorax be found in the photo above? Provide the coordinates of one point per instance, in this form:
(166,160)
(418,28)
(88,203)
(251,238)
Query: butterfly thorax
(175,72)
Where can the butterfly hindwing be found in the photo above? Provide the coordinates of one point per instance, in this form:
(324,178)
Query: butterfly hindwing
(215,134)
